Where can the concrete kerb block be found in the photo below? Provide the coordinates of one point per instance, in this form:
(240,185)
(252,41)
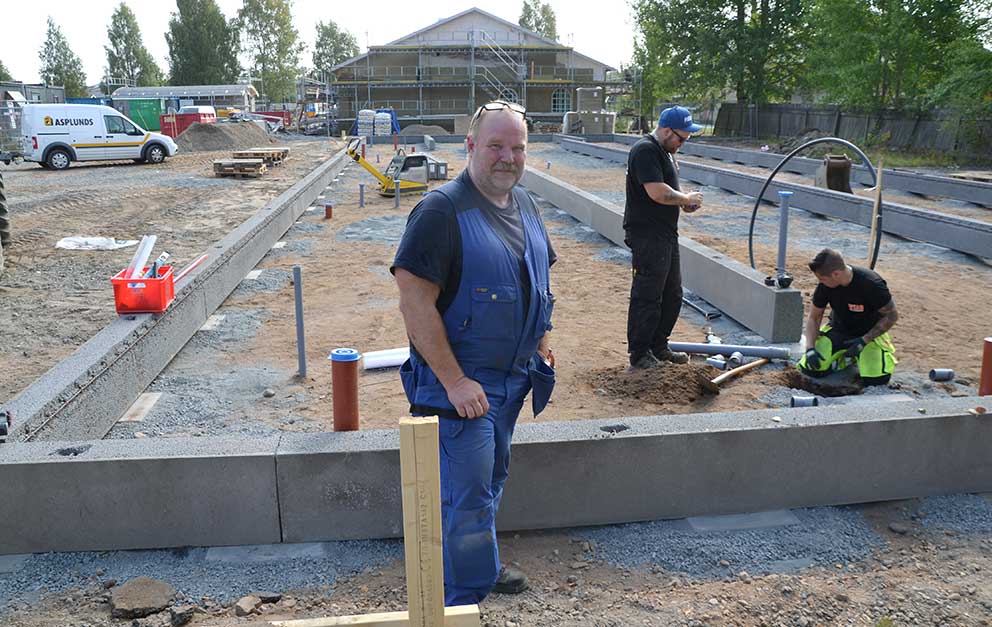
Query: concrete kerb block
(340,486)
(736,289)
(131,494)
(128,494)
(734,463)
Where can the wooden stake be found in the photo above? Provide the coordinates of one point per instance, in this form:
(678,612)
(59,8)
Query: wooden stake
(420,473)
(874,212)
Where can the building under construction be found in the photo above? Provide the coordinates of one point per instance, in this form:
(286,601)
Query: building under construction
(446,70)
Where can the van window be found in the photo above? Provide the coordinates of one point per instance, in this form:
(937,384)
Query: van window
(119,125)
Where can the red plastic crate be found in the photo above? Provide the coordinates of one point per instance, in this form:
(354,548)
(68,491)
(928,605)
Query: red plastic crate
(137,295)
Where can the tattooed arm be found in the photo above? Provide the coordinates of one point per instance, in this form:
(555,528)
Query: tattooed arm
(889,315)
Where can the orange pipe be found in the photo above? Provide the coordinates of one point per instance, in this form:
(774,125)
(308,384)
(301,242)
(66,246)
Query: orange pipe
(344,388)
(985,384)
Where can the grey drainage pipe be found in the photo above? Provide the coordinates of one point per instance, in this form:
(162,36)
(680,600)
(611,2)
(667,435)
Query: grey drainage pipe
(770,352)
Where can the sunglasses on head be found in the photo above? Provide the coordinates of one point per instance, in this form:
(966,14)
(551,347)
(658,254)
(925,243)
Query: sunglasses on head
(499,105)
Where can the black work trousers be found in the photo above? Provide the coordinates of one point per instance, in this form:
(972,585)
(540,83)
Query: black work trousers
(655,292)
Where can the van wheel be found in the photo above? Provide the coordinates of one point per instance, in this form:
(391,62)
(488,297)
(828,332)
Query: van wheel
(58,159)
(155,154)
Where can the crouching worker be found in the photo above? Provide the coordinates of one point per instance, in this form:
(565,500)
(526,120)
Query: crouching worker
(861,313)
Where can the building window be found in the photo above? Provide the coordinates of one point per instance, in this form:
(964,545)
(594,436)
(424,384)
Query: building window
(561,100)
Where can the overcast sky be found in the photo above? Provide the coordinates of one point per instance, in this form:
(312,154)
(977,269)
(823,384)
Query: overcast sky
(602,31)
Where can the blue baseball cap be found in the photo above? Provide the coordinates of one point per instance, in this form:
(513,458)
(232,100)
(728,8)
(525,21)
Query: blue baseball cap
(678,118)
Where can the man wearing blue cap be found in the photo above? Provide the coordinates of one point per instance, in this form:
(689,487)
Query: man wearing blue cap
(650,221)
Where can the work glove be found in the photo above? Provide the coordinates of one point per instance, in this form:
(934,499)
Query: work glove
(813,359)
(854,346)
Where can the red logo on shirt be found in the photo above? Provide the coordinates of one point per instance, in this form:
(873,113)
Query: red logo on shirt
(856,307)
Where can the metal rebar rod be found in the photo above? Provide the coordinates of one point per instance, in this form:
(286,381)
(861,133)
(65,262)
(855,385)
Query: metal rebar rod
(301,348)
(783,229)
(771,352)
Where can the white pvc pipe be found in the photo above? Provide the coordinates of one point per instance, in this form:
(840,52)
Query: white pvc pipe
(770,352)
(389,358)
(136,268)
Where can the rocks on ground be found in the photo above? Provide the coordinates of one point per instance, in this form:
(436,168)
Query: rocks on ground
(141,597)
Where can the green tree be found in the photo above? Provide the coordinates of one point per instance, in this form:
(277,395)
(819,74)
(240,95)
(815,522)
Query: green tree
(60,65)
(886,53)
(539,17)
(4,73)
(203,46)
(334,45)
(697,48)
(272,45)
(127,57)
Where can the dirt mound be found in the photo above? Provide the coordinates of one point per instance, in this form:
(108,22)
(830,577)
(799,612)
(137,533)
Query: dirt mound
(423,129)
(668,384)
(222,136)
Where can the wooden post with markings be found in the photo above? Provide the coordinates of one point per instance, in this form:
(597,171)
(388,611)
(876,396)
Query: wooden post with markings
(420,475)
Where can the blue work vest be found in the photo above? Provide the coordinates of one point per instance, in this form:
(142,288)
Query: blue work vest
(491,333)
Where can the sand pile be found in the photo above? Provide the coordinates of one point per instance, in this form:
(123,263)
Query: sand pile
(423,129)
(222,136)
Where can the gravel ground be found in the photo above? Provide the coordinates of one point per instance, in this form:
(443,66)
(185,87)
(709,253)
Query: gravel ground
(968,513)
(824,536)
(379,229)
(270,280)
(194,572)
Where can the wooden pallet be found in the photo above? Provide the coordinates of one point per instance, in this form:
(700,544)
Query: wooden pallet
(240,168)
(271,156)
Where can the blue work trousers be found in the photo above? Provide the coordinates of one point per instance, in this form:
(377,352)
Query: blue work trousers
(475,462)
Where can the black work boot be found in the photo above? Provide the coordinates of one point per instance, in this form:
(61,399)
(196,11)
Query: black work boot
(645,361)
(674,357)
(510,581)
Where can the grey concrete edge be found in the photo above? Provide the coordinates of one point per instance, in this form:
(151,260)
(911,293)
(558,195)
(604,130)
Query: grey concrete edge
(903,180)
(337,486)
(736,289)
(956,233)
(82,396)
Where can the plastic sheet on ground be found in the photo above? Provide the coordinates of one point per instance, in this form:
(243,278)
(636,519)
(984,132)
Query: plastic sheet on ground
(80,242)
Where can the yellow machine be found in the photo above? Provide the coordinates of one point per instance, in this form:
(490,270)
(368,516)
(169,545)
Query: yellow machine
(411,170)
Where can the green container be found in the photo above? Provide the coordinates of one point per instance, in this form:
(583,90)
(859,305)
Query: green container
(145,113)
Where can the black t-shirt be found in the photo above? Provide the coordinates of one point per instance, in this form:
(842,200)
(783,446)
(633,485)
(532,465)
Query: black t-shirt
(854,308)
(648,162)
(431,247)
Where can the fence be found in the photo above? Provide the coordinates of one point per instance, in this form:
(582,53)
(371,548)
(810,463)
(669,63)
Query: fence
(929,131)
(10,127)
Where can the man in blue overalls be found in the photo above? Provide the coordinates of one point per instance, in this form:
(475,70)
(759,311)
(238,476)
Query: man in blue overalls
(472,271)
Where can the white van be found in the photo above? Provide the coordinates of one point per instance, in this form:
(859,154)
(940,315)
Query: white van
(55,135)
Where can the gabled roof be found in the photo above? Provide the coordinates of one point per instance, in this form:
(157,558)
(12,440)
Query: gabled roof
(513,27)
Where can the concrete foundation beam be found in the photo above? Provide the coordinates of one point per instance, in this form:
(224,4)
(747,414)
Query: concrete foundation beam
(913,182)
(736,289)
(962,234)
(134,494)
(82,397)
(149,493)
